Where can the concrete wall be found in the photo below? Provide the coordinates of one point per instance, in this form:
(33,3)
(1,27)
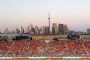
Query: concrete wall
(49,37)
(85,37)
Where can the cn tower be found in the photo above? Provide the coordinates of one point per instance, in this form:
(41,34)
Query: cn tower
(49,21)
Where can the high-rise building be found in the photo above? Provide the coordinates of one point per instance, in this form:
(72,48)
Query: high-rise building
(6,30)
(88,31)
(28,30)
(41,31)
(45,30)
(17,30)
(36,30)
(65,29)
(61,29)
(22,29)
(32,32)
(54,28)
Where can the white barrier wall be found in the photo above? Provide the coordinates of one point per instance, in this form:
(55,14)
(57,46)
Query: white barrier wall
(86,37)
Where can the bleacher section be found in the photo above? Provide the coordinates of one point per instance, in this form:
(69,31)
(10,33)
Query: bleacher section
(32,48)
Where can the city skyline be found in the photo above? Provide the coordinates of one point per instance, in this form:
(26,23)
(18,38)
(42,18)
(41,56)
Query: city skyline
(17,13)
(54,29)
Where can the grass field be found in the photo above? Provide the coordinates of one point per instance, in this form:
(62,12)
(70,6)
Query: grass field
(47,59)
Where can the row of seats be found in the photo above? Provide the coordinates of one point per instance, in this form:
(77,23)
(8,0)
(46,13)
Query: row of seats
(65,47)
(5,46)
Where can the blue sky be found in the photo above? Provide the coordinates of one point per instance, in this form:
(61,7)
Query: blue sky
(74,13)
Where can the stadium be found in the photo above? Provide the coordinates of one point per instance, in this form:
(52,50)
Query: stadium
(52,48)
(44,48)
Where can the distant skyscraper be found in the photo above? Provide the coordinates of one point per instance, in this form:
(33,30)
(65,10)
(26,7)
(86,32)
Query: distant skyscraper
(41,31)
(28,30)
(54,28)
(32,29)
(61,29)
(6,30)
(88,31)
(45,30)
(36,30)
(22,29)
(17,30)
(65,29)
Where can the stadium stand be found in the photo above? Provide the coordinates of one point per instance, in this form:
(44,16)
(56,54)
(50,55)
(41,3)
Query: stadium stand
(62,47)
